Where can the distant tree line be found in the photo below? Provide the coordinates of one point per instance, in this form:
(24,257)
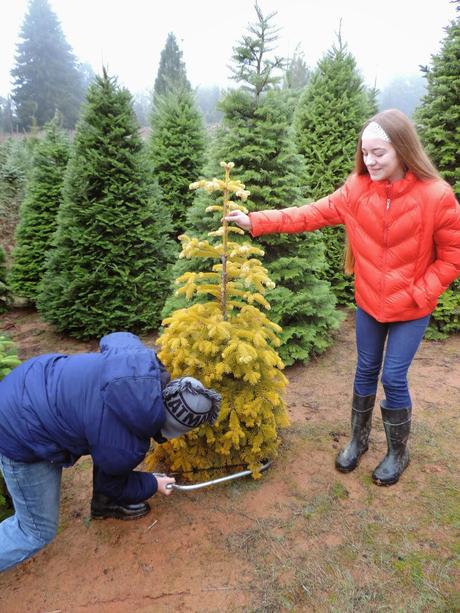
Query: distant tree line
(47,77)
(97,217)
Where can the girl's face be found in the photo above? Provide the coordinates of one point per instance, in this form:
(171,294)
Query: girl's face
(381,160)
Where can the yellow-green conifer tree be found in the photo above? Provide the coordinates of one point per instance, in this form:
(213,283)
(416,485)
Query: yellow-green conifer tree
(229,344)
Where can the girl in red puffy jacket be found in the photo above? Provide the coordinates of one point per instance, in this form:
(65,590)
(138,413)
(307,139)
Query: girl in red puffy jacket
(403,246)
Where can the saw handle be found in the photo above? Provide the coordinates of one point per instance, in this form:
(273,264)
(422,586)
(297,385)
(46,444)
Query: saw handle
(197,486)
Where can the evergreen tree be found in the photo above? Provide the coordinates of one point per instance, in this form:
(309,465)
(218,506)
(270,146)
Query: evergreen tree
(8,356)
(438,120)
(171,72)
(328,118)
(16,162)
(296,74)
(257,137)
(46,77)
(206,100)
(296,77)
(373,100)
(87,75)
(259,140)
(142,104)
(109,266)
(4,291)
(177,151)
(7,118)
(403,93)
(38,211)
(228,343)
(438,117)
(8,361)
(254,64)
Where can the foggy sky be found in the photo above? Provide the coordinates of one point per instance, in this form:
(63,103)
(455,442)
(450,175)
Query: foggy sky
(388,38)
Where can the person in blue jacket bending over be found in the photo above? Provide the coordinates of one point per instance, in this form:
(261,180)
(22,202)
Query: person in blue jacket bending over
(55,408)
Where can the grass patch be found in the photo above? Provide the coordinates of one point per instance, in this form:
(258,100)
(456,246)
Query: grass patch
(369,487)
(327,555)
(441,501)
(337,491)
(362,549)
(309,431)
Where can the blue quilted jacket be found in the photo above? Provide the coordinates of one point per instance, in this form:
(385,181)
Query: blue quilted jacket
(57,408)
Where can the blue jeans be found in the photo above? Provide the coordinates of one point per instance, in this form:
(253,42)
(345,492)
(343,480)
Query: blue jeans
(35,489)
(402,341)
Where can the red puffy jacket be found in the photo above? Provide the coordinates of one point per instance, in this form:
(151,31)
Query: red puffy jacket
(405,238)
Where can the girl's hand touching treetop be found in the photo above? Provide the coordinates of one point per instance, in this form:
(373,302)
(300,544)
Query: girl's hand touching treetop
(241,219)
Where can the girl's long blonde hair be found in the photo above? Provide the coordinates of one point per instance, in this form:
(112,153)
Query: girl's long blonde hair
(404,138)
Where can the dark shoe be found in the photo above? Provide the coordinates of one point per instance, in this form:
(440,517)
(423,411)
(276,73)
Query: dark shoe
(397,430)
(102,507)
(361,422)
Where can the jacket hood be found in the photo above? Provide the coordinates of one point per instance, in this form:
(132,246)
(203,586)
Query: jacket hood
(130,384)
(115,342)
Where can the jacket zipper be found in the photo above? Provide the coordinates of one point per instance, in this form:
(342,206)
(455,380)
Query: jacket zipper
(385,246)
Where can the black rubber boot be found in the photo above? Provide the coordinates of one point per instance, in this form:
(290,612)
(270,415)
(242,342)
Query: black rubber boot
(397,430)
(102,507)
(361,422)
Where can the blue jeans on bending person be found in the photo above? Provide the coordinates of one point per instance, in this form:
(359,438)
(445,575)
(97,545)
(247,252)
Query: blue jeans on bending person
(35,490)
(402,339)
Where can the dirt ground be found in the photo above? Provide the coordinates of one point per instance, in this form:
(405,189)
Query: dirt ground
(303,538)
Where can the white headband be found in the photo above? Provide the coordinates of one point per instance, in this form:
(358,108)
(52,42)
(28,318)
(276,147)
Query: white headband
(374,130)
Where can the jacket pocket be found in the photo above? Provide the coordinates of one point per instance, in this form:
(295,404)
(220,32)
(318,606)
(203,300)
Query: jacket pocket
(422,300)
(419,297)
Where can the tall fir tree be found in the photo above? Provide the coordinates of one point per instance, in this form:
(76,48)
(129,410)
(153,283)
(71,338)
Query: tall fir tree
(46,75)
(38,212)
(296,73)
(256,135)
(254,65)
(327,121)
(109,268)
(177,151)
(16,163)
(7,118)
(206,100)
(404,93)
(171,71)
(438,119)
(295,79)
